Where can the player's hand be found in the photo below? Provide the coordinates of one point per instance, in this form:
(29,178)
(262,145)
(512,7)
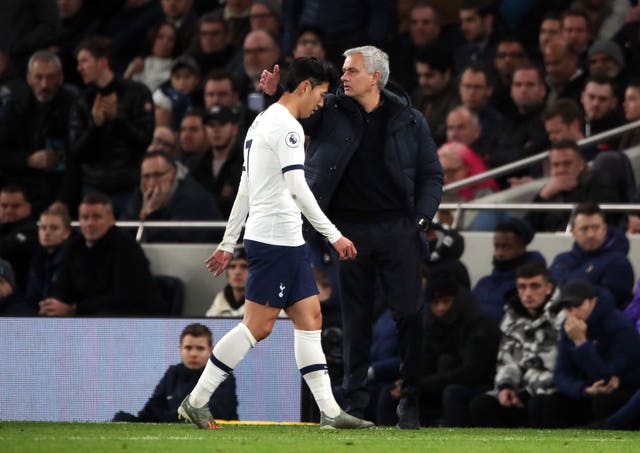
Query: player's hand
(269,80)
(345,248)
(218,262)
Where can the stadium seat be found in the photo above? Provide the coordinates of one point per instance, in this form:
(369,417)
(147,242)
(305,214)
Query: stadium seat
(172,290)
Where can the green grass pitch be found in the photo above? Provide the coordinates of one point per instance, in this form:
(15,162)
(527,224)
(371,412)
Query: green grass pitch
(146,437)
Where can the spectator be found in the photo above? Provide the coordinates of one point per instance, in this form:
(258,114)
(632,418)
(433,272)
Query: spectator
(12,86)
(463,126)
(111,125)
(11,302)
(196,344)
(606,59)
(526,356)
(169,192)
(510,55)
(260,51)
(106,272)
(598,364)
(565,78)
(460,346)
(181,14)
(564,120)
(570,181)
(33,135)
(213,49)
(193,136)
(218,169)
(436,94)
(598,255)
(601,108)
(230,301)
(310,43)
(477,23)
(164,140)
(510,240)
(236,14)
(446,246)
(267,15)
(459,162)
(54,230)
(173,98)
(631,113)
(155,68)
(628,39)
(577,31)
(549,30)
(18,232)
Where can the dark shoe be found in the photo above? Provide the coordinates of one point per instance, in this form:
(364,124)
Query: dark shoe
(408,414)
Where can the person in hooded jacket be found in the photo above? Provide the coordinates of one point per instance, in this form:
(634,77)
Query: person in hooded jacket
(446,246)
(510,239)
(598,255)
(598,363)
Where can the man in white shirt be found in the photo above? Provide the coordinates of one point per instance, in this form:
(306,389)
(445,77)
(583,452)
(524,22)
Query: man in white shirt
(273,192)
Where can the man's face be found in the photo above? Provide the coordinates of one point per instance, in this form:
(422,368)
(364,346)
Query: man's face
(13,207)
(533,291)
(431,81)
(68,8)
(261,18)
(237,273)
(52,231)
(473,26)
(632,103)
(509,56)
(602,64)
(527,90)
(565,165)
(598,100)
(220,134)
(193,138)
(156,172)
(507,246)
(259,52)
(185,80)
(474,90)
(175,9)
(313,99)
(453,169)
(165,42)
(163,140)
(559,64)
(583,310)
(549,29)
(558,130)
(95,220)
(576,32)
(357,82)
(440,306)
(89,67)
(461,128)
(219,92)
(212,37)
(309,45)
(589,231)
(195,351)
(45,79)
(424,28)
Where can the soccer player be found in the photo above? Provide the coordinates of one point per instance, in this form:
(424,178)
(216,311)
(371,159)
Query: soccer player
(273,192)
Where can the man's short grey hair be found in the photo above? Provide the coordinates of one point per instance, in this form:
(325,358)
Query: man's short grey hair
(44,56)
(374,60)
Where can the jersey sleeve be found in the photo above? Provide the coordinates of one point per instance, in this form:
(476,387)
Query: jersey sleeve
(289,146)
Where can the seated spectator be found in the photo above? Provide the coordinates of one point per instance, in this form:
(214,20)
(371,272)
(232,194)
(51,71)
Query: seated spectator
(510,240)
(526,356)
(173,98)
(169,192)
(565,77)
(549,30)
(310,43)
(570,181)
(577,31)
(267,15)
(11,301)
(259,51)
(219,168)
(192,136)
(464,126)
(446,246)
(18,232)
(598,364)
(230,301)
(183,15)
(631,113)
(54,229)
(564,120)
(598,255)
(196,344)
(165,141)
(601,110)
(459,162)
(478,26)
(510,55)
(106,272)
(155,68)
(460,346)
(213,49)
(606,59)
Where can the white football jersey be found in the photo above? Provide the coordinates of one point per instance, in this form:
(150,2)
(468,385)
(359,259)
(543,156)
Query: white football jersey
(274,144)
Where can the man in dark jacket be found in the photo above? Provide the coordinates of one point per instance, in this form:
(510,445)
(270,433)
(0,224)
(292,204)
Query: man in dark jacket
(373,167)
(598,364)
(106,272)
(598,255)
(196,344)
(110,125)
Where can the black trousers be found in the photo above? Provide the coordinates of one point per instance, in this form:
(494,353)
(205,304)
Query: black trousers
(389,253)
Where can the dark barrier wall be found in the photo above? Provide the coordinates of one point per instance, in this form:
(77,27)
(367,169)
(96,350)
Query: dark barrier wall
(86,369)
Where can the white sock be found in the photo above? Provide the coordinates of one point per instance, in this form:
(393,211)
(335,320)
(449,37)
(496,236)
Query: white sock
(313,366)
(226,355)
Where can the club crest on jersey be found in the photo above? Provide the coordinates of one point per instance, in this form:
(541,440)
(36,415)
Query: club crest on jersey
(292,140)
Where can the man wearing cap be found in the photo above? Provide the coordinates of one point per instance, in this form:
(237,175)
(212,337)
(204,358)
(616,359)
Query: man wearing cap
(598,255)
(526,356)
(11,303)
(510,239)
(168,192)
(598,363)
(605,58)
(230,301)
(219,168)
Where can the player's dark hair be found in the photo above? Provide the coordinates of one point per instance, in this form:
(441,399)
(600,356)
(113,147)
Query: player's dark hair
(311,69)
(197,330)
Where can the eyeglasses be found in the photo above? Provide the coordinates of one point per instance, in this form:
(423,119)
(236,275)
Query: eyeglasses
(153,175)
